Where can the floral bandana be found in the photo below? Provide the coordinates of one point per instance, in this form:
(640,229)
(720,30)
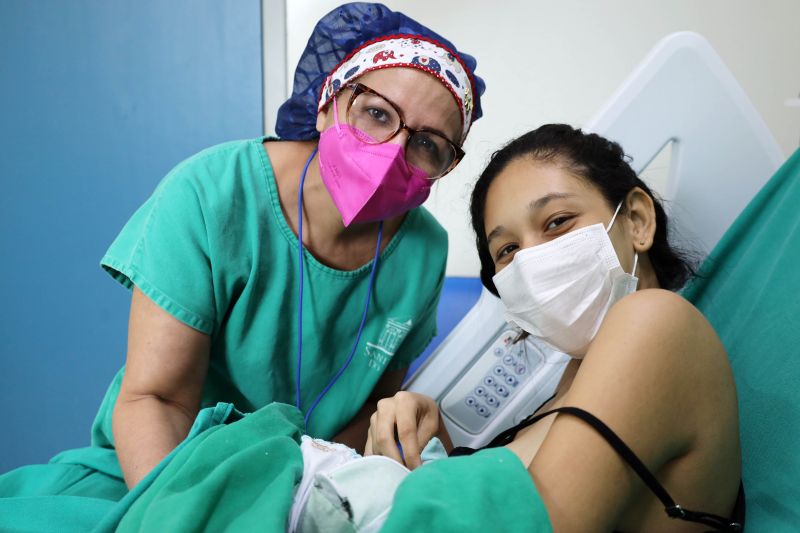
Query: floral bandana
(412,51)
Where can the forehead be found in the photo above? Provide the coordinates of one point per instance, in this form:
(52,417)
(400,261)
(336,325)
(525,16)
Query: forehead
(423,99)
(525,180)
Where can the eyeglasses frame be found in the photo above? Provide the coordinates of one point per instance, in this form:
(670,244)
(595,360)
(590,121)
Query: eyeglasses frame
(357,88)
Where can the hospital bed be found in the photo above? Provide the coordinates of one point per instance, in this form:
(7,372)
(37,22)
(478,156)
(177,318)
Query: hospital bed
(722,155)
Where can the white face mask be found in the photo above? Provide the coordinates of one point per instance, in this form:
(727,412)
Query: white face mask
(561,290)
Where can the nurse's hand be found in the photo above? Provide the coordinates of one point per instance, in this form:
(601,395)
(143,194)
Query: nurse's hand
(410,418)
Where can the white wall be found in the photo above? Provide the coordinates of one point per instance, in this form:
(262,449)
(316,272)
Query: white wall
(547,61)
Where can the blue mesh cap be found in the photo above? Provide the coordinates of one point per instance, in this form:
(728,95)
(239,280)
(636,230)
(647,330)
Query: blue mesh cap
(337,35)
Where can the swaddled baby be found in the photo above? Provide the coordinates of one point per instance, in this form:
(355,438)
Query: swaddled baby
(341,491)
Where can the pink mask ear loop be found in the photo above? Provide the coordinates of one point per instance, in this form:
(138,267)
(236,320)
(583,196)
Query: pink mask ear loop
(336,115)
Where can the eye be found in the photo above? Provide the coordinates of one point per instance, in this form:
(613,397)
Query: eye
(558,221)
(505,251)
(428,151)
(377,114)
(424,142)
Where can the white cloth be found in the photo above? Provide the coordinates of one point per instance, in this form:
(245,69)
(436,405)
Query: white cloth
(341,491)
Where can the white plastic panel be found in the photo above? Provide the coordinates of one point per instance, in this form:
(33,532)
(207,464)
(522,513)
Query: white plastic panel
(499,376)
(523,375)
(723,152)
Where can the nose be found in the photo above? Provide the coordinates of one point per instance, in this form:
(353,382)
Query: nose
(401,137)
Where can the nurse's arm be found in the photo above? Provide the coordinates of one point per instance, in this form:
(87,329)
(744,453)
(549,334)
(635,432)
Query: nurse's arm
(160,394)
(355,433)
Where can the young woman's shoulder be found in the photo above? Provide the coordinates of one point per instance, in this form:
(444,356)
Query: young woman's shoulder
(655,358)
(659,309)
(660,329)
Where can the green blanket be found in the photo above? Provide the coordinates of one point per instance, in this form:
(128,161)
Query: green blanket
(237,476)
(240,476)
(749,289)
(488,491)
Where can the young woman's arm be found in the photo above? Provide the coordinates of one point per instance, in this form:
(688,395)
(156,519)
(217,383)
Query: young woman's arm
(655,374)
(160,394)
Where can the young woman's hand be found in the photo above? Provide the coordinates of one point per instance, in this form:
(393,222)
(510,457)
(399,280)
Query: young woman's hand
(407,420)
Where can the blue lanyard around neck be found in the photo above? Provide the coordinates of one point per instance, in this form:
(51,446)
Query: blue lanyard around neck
(300,298)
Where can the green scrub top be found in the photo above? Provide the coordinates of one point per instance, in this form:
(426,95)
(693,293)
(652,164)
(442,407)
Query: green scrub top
(212,248)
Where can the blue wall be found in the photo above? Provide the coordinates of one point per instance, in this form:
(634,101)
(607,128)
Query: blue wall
(98,100)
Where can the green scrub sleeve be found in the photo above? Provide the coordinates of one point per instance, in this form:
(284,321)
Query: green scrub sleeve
(163,250)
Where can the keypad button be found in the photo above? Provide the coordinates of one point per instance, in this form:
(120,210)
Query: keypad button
(498,371)
(470,401)
(491,401)
(520,369)
(509,360)
(490,381)
(511,380)
(499,351)
(483,410)
(480,391)
(502,390)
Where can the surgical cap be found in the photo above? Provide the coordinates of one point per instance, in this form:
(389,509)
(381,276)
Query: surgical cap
(337,35)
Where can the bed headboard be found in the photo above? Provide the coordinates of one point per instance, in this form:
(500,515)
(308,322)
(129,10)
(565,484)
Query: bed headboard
(722,152)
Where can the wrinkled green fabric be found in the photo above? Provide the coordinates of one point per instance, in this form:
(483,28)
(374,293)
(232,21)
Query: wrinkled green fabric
(70,494)
(207,418)
(241,476)
(488,491)
(61,513)
(233,477)
(749,290)
(83,489)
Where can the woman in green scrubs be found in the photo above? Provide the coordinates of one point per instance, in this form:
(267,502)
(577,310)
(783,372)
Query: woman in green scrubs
(299,270)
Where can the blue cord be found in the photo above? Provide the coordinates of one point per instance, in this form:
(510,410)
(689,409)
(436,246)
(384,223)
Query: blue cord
(360,328)
(300,261)
(300,309)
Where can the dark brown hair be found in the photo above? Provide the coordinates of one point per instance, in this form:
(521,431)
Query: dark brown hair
(598,161)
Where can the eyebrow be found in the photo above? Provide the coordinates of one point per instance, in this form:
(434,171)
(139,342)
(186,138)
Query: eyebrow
(533,206)
(403,116)
(428,129)
(496,232)
(547,198)
(439,133)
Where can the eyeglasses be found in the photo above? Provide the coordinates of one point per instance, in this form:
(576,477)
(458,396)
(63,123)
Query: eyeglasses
(379,118)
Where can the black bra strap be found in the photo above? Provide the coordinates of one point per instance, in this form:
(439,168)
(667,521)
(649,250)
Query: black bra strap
(508,435)
(672,509)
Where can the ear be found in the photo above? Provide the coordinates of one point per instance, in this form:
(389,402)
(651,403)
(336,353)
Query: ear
(641,214)
(322,118)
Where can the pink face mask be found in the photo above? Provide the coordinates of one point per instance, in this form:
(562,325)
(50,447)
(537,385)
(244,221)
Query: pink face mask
(368,182)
